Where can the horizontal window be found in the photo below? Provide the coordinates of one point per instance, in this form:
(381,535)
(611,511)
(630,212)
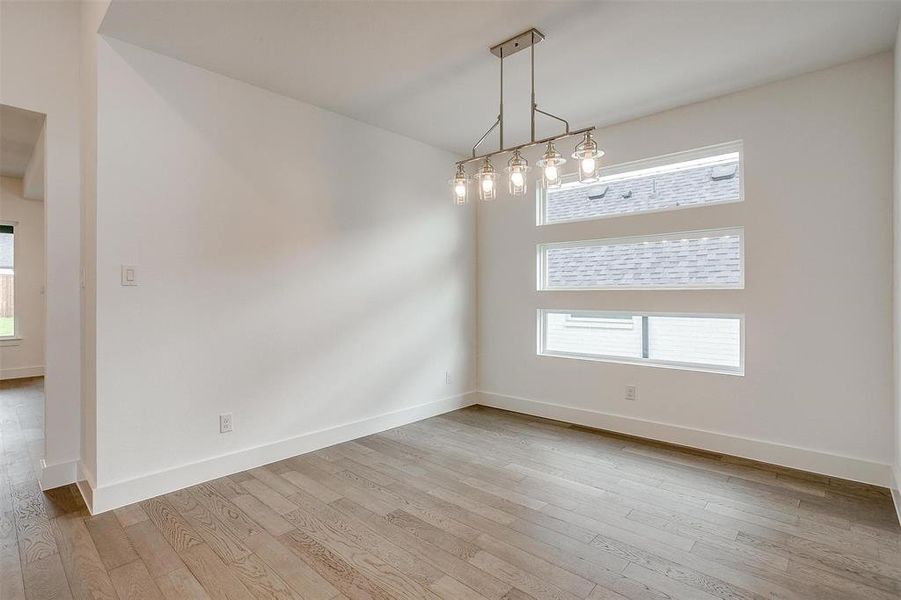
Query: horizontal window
(694,342)
(685,179)
(695,259)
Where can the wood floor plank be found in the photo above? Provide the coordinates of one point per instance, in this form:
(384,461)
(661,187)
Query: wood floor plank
(131,514)
(12,585)
(232,517)
(158,556)
(334,568)
(262,515)
(85,571)
(443,550)
(177,532)
(45,579)
(449,588)
(261,580)
(110,540)
(211,529)
(365,551)
(217,579)
(300,576)
(133,582)
(181,585)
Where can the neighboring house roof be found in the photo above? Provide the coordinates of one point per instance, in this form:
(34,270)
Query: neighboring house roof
(687,187)
(659,263)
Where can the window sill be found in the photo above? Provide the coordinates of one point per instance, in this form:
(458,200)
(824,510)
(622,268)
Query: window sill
(10,341)
(699,368)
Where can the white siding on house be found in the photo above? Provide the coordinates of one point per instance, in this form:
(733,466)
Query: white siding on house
(704,341)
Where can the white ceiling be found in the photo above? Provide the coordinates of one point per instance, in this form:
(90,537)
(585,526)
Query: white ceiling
(19,132)
(422,69)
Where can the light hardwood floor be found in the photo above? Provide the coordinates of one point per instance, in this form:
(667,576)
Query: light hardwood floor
(474,504)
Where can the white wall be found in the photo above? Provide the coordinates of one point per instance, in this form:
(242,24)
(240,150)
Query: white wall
(817,216)
(25,357)
(296,268)
(39,66)
(897,274)
(92,14)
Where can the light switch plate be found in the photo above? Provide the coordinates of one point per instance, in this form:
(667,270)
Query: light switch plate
(129,275)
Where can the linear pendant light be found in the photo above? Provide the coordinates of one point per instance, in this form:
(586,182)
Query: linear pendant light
(586,153)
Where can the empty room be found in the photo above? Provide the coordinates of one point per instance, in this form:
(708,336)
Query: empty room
(450,300)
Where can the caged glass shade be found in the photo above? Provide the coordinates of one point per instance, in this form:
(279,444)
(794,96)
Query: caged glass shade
(487,181)
(459,187)
(518,169)
(588,154)
(550,164)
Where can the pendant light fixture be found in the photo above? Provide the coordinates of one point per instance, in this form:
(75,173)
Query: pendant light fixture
(487,181)
(517,168)
(587,153)
(551,163)
(459,185)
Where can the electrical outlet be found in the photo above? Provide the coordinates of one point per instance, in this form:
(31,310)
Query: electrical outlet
(448,379)
(631,394)
(225,423)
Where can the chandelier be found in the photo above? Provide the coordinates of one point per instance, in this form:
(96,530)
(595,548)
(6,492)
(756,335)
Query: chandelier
(586,152)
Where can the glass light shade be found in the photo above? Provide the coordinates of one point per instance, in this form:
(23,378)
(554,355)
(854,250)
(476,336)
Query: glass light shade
(589,156)
(459,187)
(550,163)
(487,181)
(518,169)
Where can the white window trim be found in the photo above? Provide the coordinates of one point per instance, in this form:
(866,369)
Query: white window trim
(646,362)
(541,250)
(614,172)
(15,339)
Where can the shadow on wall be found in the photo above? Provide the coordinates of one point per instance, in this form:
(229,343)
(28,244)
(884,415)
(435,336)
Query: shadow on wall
(291,269)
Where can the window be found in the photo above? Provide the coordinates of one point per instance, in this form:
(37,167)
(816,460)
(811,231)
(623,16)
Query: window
(696,259)
(7,281)
(694,342)
(695,178)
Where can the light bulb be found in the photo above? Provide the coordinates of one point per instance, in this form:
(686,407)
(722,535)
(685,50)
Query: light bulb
(550,173)
(460,190)
(588,165)
(517,178)
(487,184)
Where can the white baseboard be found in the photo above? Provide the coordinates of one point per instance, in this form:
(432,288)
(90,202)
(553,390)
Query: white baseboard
(86,485)
(814,461)
(113,495)
(59,474)
(896,490)
(20,372)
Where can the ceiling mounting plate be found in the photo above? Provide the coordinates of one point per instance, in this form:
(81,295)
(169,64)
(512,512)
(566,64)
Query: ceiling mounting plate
(521,41)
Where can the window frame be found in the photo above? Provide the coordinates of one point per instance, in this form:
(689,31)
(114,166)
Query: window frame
(541,255)
(647,362)
(15,337)
(614,172)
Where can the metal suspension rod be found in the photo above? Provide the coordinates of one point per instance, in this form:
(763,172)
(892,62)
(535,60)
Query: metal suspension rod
(482,139)
(533,105)
(501,111)
(562,120)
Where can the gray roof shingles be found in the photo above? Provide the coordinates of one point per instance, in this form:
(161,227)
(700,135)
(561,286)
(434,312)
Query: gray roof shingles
(688,187)
(709,261)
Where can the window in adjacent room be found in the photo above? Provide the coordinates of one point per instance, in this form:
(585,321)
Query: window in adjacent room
(7,281)
(700,177)
(686,341)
